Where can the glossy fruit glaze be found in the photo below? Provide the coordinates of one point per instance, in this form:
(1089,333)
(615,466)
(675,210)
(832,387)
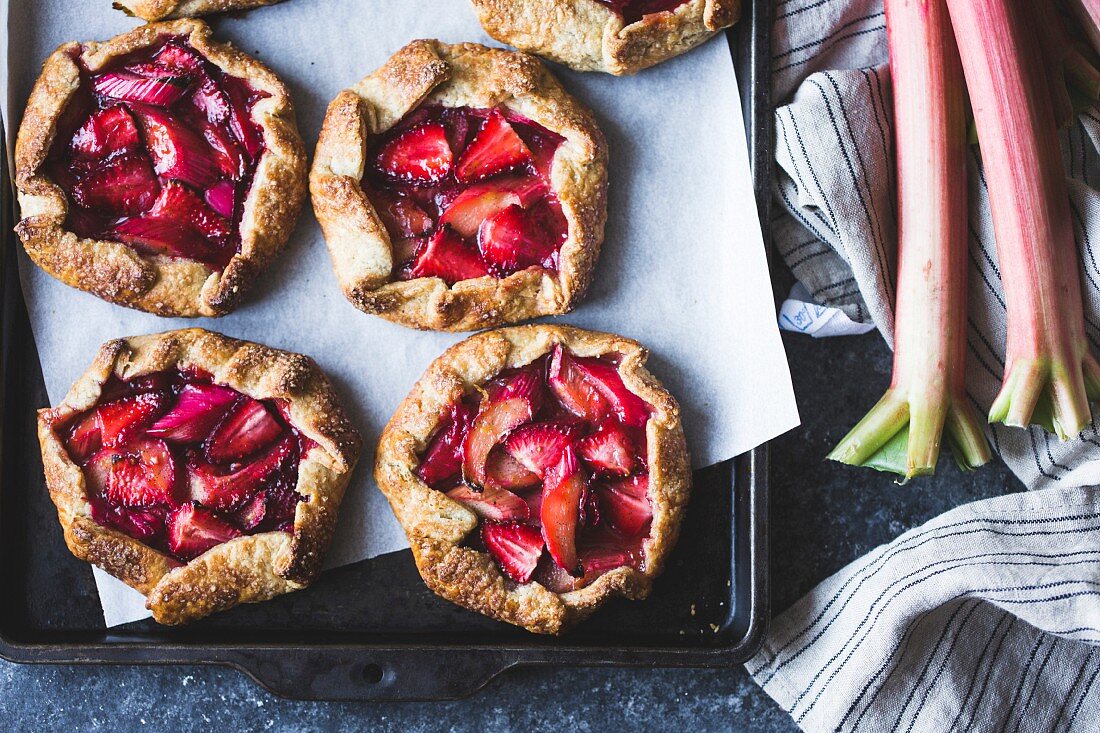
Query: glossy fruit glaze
(158,151)
(465,193)
(183,464)
(634,10)
(552,458)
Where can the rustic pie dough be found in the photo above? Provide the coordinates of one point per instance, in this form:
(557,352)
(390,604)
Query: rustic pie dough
(589,36)
(467,74)
(437,525)
(167,9)
(247,569)
(166,286)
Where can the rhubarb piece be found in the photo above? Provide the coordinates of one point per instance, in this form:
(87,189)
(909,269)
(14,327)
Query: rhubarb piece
(563,491)
(222,198)
(248,429)
(421,154)
(245,129)
(1050,375)
(496,149)
(625,504)
(538,446)
(127,86)
(145,524)
(447,258)
(576,394)
(495,505)
(107,131)
(253,512)
(162,236)
(182,205)
(442,460)
(192,530)
(198,409)
(227,154)
(928,390)
(482,202)
(122,187)
(212,488)
(177,152)
(515,547)
(610,449)
(492,424)
(504,471)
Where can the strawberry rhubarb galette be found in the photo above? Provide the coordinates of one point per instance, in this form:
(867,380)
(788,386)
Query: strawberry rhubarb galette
(168,9)
(538,471)
(460,187)
(160,170)
(616,36)
(201,470)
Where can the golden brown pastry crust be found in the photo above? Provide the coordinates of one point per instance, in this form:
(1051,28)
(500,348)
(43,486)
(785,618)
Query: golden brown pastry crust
(166,286)
(456,75)
(436,525)
(588,36)
(151,10)
(246,569)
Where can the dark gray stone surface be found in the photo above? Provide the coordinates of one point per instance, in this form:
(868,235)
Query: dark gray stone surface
(823,517)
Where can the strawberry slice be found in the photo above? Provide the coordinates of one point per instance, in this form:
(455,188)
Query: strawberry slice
(241,122)
(575,393)
(252,512)
(562,493)
(485,200)
(504,471)
(609,449)
(124,186)
(211,100)
(607,555)
(510,242)
(180,58)
(179,203)
(177,151)
(515,547)
(161,90)
(627,406)
(495,149)
(496,505)
(85,438)
(515,404)
(226,491)
(197,410)
(159,236)
(446,257)
(626,505)
(143,475)
(420,155)
(123,419)
(248,429)
(143,524)
(107,131)
(192,530)
(222,198)
(538,446)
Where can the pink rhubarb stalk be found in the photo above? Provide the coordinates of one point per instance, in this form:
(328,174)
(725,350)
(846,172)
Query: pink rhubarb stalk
(1049,373)
(902,433)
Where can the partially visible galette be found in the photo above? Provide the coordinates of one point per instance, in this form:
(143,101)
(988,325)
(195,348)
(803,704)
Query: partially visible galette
(159,170)
(168,9)
(201,470)
(538,471)
(616,36)
(460,187)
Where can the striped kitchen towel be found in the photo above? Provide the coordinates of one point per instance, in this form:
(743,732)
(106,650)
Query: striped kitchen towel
(988,617)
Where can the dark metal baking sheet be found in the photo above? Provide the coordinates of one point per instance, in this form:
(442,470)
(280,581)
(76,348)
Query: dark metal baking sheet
(372,631)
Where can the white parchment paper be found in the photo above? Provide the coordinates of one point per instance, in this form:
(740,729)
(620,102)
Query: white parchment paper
(683,268)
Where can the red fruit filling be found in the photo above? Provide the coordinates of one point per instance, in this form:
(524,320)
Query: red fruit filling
(183,464)
(552,459)
(634,10)
(465,193)
(159,151)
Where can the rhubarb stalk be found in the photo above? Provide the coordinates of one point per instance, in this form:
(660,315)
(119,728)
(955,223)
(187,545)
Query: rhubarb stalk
(1049,373)
(902,433)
